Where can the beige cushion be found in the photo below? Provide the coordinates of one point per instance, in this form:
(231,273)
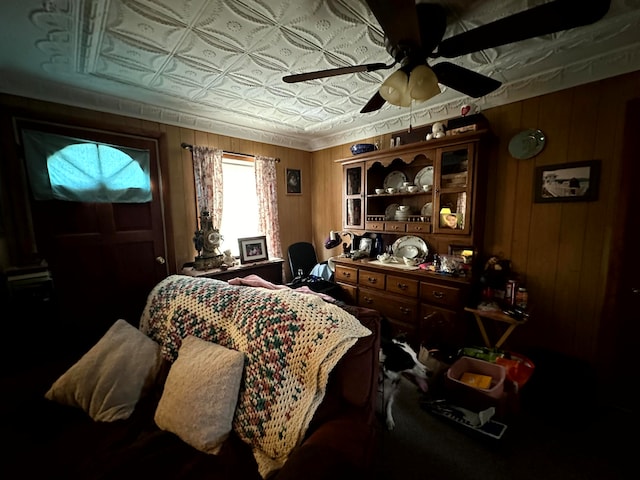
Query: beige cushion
(109,379)
(200,394)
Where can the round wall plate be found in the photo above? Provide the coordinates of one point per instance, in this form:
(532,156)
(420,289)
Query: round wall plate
(527,144)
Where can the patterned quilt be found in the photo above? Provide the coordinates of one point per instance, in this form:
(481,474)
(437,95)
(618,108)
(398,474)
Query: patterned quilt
(291,342)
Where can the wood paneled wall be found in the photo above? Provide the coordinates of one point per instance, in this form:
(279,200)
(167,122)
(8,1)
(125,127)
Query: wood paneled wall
(561,250)
(176,167)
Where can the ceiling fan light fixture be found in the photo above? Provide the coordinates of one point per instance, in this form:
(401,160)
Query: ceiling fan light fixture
(395,89)
(423,83)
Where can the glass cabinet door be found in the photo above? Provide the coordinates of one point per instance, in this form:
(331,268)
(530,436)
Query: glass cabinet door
(353,195)
(452,184)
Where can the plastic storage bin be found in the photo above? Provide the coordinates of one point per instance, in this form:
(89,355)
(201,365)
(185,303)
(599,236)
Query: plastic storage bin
(470,394)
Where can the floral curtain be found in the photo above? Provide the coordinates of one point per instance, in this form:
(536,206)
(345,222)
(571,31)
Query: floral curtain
(207,170)
(267,194)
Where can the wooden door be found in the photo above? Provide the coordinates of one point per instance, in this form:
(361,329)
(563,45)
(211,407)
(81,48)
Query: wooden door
(104,257)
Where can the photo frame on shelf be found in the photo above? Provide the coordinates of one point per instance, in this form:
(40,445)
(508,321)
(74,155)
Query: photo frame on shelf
(253,249)
(567,182)
(294,181)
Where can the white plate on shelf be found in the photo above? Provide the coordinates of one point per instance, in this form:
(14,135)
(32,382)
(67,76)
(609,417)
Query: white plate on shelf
(427,209)
(424,177)
(401,247)
(395,179)
(390,211)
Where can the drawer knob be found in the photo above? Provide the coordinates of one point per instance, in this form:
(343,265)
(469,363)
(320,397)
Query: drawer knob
(402,286)
(346,274)
(438,294)
(405,310)
(368,300)
(371,279)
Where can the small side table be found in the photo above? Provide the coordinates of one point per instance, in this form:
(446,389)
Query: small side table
(496,316)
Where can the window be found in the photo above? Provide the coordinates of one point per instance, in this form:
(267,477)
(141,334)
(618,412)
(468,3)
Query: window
(239,204)
(66,168)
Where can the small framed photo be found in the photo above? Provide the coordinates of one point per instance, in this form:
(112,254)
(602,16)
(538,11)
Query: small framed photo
(568,182)
(253,249)
(294,182)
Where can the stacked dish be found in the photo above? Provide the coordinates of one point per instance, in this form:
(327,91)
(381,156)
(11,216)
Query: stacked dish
(402,213)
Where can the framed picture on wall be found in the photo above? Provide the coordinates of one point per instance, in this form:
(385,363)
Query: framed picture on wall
(567,182)
(294,182)
(253,249)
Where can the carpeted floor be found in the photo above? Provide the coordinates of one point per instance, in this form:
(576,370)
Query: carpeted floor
(595,444)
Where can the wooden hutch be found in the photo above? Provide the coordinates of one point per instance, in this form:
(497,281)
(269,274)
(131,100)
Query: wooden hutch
(409,297)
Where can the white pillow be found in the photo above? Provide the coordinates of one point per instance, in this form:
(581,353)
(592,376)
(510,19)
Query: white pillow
(200,394)
(109,379)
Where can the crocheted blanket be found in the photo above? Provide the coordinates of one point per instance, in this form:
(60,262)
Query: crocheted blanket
(291,343)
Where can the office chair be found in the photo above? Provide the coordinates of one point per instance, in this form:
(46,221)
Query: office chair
(302,259)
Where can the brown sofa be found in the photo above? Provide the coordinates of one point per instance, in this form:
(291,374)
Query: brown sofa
(49,440)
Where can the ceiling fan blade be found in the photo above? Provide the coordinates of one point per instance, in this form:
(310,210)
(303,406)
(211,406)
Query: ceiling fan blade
(464,80)
(332,72)
(541,20)
(375,103)
(399,22)
(432,23)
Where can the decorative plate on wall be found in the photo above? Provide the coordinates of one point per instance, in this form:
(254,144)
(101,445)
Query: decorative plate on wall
(527,144)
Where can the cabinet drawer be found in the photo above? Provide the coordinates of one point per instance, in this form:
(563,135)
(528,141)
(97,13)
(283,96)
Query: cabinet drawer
(443,295)
(440,326)
(403,286)
(350,292)
(371,279)
(419,227)
(374,226)
(346,274)
(394,226)
(391,306)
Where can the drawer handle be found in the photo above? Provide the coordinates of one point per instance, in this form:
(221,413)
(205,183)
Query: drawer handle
(368,300)
(403,286)
(438,294)
(372,279)
(346,274)
(405,310)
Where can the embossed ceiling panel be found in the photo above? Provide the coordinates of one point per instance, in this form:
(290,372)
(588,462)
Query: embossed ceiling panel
(218,65)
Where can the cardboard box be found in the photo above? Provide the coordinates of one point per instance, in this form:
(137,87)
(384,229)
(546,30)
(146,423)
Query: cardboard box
(476,380)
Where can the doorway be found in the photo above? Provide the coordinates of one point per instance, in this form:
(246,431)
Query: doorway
(104,256)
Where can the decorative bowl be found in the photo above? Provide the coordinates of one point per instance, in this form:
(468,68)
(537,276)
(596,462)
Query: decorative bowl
(412,261)
(404,208)
(358,148)
(412,188)
(392,190)
(379,191)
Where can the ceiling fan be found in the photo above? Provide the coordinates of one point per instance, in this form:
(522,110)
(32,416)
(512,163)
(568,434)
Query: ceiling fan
(414,33)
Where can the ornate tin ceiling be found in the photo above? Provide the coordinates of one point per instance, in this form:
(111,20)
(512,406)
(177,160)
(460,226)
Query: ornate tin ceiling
(218,65)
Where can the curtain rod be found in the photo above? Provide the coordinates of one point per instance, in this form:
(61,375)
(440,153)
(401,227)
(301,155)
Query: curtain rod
(189,147)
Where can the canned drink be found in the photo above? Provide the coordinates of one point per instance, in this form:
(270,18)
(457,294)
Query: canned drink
(510,296)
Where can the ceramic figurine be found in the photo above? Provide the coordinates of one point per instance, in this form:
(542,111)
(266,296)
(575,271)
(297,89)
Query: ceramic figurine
(228,259)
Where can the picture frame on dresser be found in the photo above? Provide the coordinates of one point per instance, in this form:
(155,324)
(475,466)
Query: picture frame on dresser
(253,249)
